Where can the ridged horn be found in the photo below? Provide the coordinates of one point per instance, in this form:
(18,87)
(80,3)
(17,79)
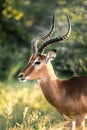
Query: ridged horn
(56,39)
(40,39)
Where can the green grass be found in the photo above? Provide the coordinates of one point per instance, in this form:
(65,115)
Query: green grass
(23,107)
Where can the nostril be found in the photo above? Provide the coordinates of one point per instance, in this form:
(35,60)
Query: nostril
(20,75)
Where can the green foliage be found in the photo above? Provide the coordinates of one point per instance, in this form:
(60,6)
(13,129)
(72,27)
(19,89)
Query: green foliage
(11,10)
(20,21)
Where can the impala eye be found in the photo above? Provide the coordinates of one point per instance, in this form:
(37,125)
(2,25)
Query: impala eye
(37,63)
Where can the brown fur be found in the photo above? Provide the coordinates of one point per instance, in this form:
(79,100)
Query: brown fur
(69,97)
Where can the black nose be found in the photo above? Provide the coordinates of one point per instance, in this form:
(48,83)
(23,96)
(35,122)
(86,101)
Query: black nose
(20,75)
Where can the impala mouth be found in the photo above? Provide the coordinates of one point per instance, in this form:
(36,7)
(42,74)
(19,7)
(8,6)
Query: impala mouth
(22,79)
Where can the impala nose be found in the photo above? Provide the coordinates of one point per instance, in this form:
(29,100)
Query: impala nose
(21,77)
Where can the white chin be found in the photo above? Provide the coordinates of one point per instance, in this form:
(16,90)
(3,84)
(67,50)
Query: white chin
(22,80)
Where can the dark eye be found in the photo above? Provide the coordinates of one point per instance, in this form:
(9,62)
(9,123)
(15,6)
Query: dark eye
(37,62)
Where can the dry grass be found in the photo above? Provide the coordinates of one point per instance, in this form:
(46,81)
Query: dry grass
(23,107)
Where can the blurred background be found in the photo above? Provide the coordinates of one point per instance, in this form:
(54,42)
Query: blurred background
(20,21)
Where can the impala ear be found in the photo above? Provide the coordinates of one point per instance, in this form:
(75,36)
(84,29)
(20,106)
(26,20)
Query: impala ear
(51,55)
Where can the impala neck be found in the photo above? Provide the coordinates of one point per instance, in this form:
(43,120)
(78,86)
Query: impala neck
(49,74)
(49,85)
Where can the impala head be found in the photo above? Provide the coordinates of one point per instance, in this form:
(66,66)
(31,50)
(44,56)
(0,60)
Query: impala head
(39,62)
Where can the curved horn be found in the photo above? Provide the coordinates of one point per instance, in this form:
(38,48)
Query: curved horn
(40,39)
(57,39)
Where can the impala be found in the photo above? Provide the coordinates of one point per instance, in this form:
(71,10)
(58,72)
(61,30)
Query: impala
(69,96)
